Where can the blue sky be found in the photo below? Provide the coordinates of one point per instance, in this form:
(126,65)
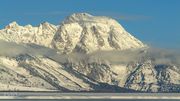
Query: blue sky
(155,22)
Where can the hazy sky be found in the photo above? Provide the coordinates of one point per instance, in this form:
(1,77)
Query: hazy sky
(155,22)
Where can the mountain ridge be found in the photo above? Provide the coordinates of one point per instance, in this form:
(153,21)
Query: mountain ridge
(83,53)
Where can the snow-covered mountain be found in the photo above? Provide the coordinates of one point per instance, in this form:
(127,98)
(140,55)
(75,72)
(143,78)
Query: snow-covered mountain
(86,33)
(83,53)
(40,35)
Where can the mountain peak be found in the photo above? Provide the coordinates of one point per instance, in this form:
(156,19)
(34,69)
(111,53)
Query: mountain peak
(78,17)
(87,33)
(12,24)
(85,17)
(81,15)
(45,23)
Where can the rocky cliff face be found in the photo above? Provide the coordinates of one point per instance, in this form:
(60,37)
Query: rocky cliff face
(69,58)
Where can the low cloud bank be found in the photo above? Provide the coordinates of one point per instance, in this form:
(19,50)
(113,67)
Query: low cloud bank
(159,56)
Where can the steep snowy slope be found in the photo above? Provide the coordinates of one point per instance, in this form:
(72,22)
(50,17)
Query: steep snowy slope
(150,77)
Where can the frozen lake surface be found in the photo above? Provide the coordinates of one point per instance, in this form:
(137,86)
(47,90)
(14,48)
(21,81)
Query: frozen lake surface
(51,96)
(95,100)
